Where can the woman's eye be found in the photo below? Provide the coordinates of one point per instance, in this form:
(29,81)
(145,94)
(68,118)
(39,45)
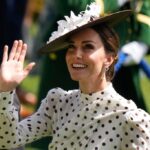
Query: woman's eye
(89,46)
(71,47)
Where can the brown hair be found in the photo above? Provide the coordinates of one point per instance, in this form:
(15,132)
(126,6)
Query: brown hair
(110,40)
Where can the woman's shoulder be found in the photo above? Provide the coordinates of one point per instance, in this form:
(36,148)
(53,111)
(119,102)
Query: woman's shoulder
(117,100)
(120,102)
(138,116)
(56,95)
(60,92)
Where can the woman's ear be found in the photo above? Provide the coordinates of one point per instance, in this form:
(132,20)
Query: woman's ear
(108,60)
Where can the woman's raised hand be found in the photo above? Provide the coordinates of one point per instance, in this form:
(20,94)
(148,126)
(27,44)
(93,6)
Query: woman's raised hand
(12,70)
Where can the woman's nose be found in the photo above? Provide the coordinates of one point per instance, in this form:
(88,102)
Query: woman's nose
(79,53)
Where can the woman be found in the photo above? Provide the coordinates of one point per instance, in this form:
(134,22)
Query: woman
(92,117)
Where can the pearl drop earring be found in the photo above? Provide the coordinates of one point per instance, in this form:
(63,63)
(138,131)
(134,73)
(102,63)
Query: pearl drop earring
(106,69)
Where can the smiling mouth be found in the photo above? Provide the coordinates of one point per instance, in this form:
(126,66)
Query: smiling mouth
(79,66)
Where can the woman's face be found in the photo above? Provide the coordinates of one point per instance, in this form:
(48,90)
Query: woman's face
(86,56)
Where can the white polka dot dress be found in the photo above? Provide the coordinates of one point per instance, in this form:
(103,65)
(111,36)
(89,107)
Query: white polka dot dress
(99,121)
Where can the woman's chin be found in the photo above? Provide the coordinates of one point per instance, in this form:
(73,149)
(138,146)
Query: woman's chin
(76,78)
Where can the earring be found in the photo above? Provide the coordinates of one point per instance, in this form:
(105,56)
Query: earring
(106,69)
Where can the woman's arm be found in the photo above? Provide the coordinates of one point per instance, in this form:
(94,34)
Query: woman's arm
(11,74)
(13,133)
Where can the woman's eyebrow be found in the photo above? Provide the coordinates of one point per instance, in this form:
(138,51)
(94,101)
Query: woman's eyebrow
(88,41)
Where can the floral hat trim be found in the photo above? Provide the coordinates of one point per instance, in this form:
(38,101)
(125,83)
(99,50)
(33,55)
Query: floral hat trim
(73,22)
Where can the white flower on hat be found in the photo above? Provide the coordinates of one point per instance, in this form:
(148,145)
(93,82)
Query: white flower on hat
(70,23)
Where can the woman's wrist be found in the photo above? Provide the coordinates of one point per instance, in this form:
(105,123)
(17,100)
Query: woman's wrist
(5,90)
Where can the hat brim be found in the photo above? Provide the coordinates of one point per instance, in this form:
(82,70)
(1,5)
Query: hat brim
(60,43)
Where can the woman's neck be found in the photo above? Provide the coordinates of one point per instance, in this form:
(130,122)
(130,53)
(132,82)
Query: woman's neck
(92,86)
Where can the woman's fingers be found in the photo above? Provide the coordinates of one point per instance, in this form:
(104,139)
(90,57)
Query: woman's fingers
(18,50)
(23,53)
(5,53)
(13,50)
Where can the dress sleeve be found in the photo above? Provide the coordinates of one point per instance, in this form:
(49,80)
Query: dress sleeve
(14,133)
(136,133)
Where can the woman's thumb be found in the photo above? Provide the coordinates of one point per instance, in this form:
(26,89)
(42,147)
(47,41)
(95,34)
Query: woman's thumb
(28,68)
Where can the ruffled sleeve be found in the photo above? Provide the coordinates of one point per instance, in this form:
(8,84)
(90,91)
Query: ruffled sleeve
(13,133)
(136,134)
